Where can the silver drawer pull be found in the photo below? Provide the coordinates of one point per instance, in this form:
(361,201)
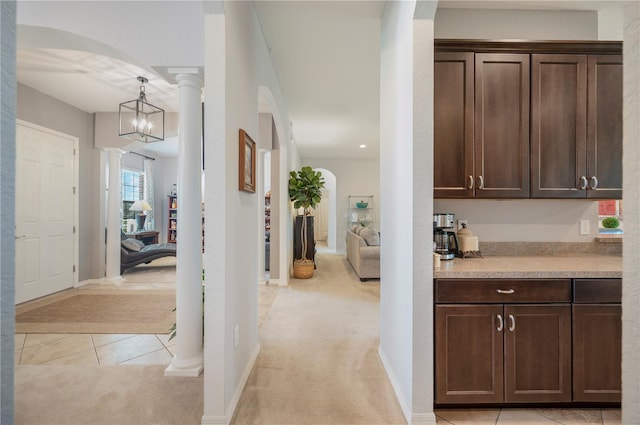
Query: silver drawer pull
(470,182)
(512,323)
(505,291)
(500,324)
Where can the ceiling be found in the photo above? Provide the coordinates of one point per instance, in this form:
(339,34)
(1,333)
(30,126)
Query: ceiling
(326,55)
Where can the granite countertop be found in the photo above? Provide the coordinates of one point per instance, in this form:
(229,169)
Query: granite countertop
(531,267)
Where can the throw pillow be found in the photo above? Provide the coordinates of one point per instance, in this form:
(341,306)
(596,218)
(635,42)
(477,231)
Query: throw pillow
(132,244)
(370,236)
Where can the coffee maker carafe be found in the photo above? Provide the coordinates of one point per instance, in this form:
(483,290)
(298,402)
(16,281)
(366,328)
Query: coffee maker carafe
(444,238)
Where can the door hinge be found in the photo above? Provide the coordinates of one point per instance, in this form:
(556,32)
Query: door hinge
(74,151)
(74,190)
(74,268)
(74,229)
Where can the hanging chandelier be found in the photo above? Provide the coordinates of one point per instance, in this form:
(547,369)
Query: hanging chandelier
(140,120)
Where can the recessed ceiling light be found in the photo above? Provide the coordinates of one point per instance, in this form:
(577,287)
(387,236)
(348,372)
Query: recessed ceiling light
(363,146)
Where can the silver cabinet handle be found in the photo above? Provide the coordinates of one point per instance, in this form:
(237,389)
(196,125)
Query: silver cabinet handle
(500,324)
(470,182)
(20,237)
(505,291)
(583,183)
(512,323)
(594,182)
(480,182)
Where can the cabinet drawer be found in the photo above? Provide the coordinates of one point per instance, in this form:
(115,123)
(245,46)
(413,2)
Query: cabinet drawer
(597,291)
(502,290)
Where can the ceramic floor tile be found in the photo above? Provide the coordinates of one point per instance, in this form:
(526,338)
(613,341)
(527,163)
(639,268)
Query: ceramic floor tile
(611,416)
(104,339)
(126,349)
(469,417)
(19,341)
(83,358)
(172,350)
(161,356)
(523,417)
(573,416)
(37,339)
(164,338)
(42,353)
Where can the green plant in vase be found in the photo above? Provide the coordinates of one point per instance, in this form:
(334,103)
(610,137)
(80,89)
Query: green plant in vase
(305,191)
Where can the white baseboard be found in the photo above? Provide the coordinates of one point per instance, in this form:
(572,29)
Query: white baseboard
(213,420)
(409,416)
(233,404)
(90,282)
(406,408)
(277,282)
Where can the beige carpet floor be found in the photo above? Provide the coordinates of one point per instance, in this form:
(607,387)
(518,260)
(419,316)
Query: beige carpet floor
(106,395)
(94,311)
(318,362)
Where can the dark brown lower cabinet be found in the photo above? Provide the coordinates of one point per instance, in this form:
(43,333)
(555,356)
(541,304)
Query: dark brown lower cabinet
(503,353)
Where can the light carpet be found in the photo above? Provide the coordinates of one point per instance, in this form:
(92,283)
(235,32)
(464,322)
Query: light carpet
(95,311)
(105,395)
(318,362)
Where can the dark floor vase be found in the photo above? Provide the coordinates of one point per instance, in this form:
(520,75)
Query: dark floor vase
(297,239)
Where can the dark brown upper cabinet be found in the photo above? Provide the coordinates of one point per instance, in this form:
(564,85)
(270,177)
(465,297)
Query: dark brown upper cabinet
(502,125)
(453,124)
(481,125)
(527,119)
(604,126)
(576,134)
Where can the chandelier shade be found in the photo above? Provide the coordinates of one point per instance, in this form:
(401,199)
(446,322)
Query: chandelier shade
(139,120)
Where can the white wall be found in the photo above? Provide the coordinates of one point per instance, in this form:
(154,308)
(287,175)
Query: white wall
(495,24)
(611,23)
(237,65)
(406,188)
(353,177)
(631,242)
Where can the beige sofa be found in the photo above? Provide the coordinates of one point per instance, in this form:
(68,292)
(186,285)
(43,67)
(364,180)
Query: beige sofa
(364,258)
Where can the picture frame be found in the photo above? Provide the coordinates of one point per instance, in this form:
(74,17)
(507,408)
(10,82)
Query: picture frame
(247,163)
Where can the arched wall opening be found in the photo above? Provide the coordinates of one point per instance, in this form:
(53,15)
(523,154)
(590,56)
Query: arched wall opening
(330,183)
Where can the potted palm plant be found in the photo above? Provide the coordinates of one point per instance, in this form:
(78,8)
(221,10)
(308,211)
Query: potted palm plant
(305,191)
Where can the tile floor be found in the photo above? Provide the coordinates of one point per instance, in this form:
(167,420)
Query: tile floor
(529,417)
(93,349)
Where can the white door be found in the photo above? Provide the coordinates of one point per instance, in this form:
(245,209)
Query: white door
(44,212)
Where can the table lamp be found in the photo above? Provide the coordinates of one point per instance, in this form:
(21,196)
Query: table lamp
(142,206)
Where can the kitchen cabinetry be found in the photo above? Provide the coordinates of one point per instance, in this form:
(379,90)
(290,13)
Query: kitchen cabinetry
(360,211)
(172,231)
(597,340)
(514,346)
(486,147)
(576,137)
(481,125)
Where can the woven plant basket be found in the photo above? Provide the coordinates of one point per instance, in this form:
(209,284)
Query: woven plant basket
(303,269)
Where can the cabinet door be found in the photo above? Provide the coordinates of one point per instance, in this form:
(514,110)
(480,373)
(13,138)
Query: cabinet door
(604,131)
(537,353)
(558,126)
(469,354)
(453,125)
(502,125)
(597,353)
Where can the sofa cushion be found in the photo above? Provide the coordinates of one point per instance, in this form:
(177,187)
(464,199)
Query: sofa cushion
(370,236)
(132,244)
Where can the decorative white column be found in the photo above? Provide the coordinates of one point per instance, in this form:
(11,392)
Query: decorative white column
(188,360)
(114,202)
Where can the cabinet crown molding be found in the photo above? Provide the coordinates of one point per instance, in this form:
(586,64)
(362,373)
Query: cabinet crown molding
(529,46)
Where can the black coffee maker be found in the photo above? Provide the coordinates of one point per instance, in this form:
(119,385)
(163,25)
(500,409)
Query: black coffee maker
(444,238)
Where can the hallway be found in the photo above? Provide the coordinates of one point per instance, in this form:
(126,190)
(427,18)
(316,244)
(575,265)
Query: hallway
(318,362)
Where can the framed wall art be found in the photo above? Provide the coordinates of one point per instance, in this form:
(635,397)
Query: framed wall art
(247,169)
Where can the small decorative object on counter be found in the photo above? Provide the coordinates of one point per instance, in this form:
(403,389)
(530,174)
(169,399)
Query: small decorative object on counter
(468,244)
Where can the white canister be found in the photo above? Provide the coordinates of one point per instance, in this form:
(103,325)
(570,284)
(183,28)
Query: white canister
(436,260)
